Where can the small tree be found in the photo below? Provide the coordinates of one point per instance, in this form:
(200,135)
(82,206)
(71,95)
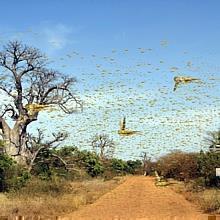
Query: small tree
(103,146)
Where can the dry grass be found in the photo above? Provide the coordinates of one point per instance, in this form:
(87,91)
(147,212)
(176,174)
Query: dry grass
(37,198)
(208,200)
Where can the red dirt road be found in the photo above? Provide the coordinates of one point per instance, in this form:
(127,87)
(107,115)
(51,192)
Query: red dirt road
(139,199)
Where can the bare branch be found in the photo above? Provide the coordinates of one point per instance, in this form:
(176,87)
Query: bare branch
(35,144)
(7,91)
(104,145)
(59,137)
(10,108)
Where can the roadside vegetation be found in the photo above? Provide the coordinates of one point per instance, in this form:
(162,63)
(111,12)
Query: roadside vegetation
(194,174)
(52,188)
(86,175)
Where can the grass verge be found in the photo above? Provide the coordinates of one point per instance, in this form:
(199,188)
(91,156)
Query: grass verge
(54,198)
(207,199)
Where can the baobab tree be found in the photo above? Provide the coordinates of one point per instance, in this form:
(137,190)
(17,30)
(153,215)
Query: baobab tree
(30,87)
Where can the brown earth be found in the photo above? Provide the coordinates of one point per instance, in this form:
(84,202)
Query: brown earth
(139,198)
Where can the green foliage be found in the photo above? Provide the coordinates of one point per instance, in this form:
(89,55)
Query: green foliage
(17,177)
(46,166)
(43,165)
(12,176)
(119,166)
(5,164)
(133,166)
(207,162)
(92,163)
(95,165)
(66,151)
(43,170)
(37,186)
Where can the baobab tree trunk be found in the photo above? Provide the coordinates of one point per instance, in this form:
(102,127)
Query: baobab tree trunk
(15,141)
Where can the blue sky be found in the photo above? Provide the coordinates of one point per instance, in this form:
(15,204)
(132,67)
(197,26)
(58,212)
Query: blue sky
(98,24)
(125,55)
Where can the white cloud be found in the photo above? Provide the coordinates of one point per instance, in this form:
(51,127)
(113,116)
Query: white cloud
(49,37)
(58,36)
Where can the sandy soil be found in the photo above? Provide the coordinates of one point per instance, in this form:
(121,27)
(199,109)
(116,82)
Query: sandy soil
(138,198)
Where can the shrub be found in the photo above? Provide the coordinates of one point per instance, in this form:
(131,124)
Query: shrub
(119,166)
(12,176)
(91,162)
(178,165)
(55,186)
(46,165)
(17,178)
(196,185)
(66,151)
(207,162)
(133,166)
(5,164)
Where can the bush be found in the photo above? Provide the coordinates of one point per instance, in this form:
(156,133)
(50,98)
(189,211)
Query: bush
(17,178)
(46,165)
(91,162)
(12,176)
(178,165)
(87,161)
(207,162)
(119,166)
(55,186)
(5,164)
(188,166)
(66,151)
(196,185)
(133,166)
